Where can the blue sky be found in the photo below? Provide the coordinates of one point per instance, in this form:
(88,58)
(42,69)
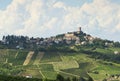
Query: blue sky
(4,3)
(77,3)
(45,18)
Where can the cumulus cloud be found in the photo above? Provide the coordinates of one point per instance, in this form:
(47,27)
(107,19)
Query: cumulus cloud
(25,17)
(100,17)
(59,5)
(38,17)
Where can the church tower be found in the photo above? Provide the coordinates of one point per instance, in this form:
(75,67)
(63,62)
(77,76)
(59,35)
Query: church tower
(80,29)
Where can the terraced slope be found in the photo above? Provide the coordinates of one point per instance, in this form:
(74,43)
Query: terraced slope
(49,64)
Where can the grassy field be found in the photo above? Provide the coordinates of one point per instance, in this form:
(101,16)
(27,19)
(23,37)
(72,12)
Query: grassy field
(65,65)
(38,58)
(51,57)
(104,69)
(3,55)
(15,57)
(46,67)
(12,56)
(19,60)
(49,64)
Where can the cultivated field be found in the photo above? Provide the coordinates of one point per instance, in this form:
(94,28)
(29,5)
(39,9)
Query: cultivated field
(28,58)
(38,58)
(49,64)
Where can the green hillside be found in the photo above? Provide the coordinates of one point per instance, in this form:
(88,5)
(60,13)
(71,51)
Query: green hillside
(77,64)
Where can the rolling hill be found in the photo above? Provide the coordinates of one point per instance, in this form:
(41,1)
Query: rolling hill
(47,64)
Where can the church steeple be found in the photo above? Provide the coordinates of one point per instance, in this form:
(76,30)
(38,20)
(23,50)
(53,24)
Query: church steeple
(79,29)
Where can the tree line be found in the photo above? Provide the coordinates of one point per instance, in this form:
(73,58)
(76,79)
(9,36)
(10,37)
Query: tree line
(11,41)
(58,78)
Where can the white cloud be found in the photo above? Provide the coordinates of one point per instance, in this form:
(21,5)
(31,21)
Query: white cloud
(59,5)
(51,23)
(104,12)
(35,17)
(98,16)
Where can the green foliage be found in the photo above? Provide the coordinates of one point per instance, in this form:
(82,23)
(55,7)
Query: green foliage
(20,58)
(56,49)
(90,79)
(11,78)
(51,57)
(60,78)
(46,67)
(82,79)
(117,44)
(74,79)
(104,55)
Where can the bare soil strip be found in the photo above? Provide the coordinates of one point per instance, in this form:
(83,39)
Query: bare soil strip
(16,54)
(28,58)
(38,58)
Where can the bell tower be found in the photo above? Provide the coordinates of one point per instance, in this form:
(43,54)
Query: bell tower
(79,29)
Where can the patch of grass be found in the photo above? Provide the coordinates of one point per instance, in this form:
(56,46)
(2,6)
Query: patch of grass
(69,75)
(33,72)
(65,65)
(104,70)
(11,58)
(38,58)
(33,58)
(20,57)
(46,67)
(48,71)
(77,71)
(115,49)
(104,51)
(3,55)
(51,57)
(50,74)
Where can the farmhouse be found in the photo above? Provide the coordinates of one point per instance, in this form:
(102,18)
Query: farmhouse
(28,76)
(116,52)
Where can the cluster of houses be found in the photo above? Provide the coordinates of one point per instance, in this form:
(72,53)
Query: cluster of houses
(68,38)
(75,37)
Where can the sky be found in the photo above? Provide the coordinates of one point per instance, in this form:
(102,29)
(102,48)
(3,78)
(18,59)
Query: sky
(45,18)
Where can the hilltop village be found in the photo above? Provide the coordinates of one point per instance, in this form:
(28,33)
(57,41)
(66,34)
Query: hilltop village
(70,38)
(77,37)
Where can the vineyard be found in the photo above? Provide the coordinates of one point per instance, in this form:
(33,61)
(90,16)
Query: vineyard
(49,64)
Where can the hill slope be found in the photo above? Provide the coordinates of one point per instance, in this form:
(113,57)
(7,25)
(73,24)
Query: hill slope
(69,64)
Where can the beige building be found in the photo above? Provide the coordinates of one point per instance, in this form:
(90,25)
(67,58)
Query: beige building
(70,36)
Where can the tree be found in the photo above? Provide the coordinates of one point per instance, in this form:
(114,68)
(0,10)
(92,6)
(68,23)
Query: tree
(82,79)
(104,79)
(74,79)
(60,78)
(68,79)
(117,44)
(90,79)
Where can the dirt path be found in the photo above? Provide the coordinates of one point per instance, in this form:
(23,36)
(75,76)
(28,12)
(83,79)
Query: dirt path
(6,60)
(16,54)
(28,58)
(38,58)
